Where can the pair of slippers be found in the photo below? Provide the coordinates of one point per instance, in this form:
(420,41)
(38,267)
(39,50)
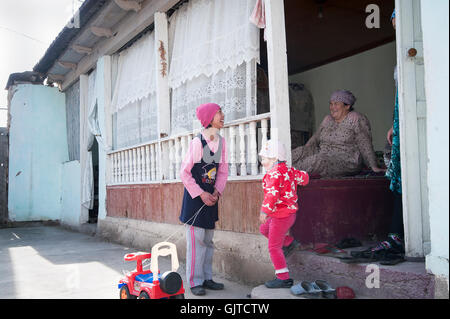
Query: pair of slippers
(320,289)
(314,290)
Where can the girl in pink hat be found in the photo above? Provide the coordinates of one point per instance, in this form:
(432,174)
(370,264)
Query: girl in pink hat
(204,173)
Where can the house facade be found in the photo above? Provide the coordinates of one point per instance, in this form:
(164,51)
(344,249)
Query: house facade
(105,146)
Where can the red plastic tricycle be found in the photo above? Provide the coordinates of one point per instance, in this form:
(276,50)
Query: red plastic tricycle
(149,284)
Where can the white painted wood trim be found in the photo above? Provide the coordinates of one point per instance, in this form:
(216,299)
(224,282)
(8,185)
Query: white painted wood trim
(162,74)
(408,29)
(129,27)
(278,74)
(84,91)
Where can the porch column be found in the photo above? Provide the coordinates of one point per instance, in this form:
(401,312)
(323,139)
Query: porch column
(162,71)
(278,74)
(108,134)
(162,86)
(84,91)
(412,117)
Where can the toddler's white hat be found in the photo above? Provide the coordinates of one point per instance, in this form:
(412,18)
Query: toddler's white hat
(273,149)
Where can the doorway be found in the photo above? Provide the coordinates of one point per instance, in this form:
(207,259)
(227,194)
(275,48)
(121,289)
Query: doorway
(93,213)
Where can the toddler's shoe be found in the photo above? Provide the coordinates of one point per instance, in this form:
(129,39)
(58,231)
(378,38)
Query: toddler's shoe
(278,283)
(287,251)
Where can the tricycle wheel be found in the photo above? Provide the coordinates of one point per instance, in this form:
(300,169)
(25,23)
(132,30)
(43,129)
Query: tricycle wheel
(125,293)
(144,295)
(177,297)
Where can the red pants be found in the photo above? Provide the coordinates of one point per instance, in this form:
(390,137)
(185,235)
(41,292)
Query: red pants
(276,230)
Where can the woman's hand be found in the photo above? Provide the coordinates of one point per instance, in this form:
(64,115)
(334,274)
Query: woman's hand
(378,170)
(263,217)
(208,199)
(389,135)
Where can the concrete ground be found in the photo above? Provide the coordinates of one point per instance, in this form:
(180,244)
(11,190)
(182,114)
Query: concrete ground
(49,262)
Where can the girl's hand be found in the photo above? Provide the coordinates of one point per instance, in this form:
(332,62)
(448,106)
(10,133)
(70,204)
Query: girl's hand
(263,218)
(216,195)
(208,199)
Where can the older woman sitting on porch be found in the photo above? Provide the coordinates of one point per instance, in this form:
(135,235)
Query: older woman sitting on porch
(342,144)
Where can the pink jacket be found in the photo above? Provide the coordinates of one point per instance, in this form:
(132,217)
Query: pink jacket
(194,155)
(280,190)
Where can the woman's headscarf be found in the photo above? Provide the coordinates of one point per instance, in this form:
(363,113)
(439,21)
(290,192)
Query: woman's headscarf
(343,96)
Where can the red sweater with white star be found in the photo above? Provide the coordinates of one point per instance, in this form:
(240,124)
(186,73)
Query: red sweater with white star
(280,190)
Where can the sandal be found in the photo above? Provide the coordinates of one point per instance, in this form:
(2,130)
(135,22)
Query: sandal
(391,259)
(327,291)
(349,242)
(306,289)
(331,251)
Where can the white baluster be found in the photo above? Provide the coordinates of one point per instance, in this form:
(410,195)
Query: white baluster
(184,147)
(130,165)
(171,146)
(264,131)
(232,151)
(120,174)
(177,158)
(112,159)
(139,165)
(134,156)
(147,163)
(125,167)
(242,150)
(153,162)
(253,148)
(115,166)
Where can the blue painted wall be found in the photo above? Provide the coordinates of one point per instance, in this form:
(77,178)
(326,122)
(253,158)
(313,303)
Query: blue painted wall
(38,149)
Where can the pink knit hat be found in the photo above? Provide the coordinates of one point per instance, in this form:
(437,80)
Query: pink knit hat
(206,112)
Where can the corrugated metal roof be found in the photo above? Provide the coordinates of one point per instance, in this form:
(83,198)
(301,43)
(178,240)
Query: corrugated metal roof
(87,10)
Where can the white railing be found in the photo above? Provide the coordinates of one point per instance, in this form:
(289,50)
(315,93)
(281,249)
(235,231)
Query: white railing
(160,161)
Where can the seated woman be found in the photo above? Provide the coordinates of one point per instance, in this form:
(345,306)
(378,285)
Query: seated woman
(341,145)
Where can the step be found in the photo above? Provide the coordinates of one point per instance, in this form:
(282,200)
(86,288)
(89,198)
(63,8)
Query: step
(262,292)
(407,280)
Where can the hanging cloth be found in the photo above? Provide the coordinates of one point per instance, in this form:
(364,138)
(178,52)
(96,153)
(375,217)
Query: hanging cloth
(258,16)
(92,129)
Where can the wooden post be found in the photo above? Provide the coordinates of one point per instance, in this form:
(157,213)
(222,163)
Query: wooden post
(108,134)
(412,117)
(278,74)
(162,78)
(84,92)
(162,82)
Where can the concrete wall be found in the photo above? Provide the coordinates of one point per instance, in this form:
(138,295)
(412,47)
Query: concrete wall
(239,257)
(38,149)
(71,194)
(435,25)
(369,75)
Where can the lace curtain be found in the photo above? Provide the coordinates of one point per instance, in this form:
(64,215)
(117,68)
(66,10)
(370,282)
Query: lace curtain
(134,97)
(213,52)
